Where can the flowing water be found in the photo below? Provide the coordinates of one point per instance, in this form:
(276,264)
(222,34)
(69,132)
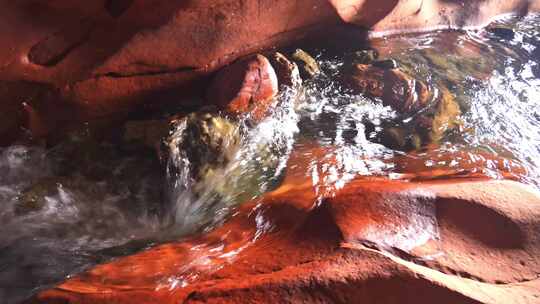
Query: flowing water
(82,203)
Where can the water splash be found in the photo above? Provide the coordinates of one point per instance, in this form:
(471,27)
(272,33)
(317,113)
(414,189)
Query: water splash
(114,207)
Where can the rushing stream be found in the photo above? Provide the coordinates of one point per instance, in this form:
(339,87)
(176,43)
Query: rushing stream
(81,203)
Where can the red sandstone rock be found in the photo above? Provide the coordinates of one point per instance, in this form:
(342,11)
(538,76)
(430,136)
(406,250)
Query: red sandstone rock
(246,86)
(437,163)
(108,57)
(373,240)
(365,238)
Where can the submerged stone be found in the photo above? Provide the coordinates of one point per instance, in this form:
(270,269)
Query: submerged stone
(397,89)
(445,116)
(33,198)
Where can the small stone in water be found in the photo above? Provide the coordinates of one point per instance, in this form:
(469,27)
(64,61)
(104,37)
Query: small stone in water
(503,32)
(394,138)
(207,140)
(386,64)
(308,66)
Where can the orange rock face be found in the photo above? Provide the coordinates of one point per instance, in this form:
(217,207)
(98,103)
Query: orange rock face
(372,239)
(111,56)
(246,86)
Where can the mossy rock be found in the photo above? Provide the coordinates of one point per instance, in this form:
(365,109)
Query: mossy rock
(208,141)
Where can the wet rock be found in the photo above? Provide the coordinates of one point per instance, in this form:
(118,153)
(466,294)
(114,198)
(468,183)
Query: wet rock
(365,56)
(397,89)
(404,93)
(367,79)
(102,60)
(34,197)
(428,127)
(309,67)
(247,86)
(387,17)
(445,117)
(436,163)
(207,141)
(504,33)
(401,138)
(287,72)
(371,237)
(127,70)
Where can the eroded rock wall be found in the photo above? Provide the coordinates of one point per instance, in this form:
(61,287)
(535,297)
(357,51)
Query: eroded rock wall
(103,57)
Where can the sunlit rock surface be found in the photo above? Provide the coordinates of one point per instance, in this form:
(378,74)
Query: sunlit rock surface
(372,239)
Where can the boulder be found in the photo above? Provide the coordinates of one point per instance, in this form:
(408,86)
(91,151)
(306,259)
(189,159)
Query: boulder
(372,239)
(445,117)
(397,89)
(247,86)
(205,140)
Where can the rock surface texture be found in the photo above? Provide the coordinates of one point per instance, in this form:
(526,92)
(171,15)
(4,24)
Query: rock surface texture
(373,240)
(245,87)
(105,57)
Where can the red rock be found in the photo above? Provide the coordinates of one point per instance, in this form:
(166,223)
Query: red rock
(287,72)
(350,248)
(109,56)
(440,163)
(404,93)
(396,89)
(246,86)
(374,240)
